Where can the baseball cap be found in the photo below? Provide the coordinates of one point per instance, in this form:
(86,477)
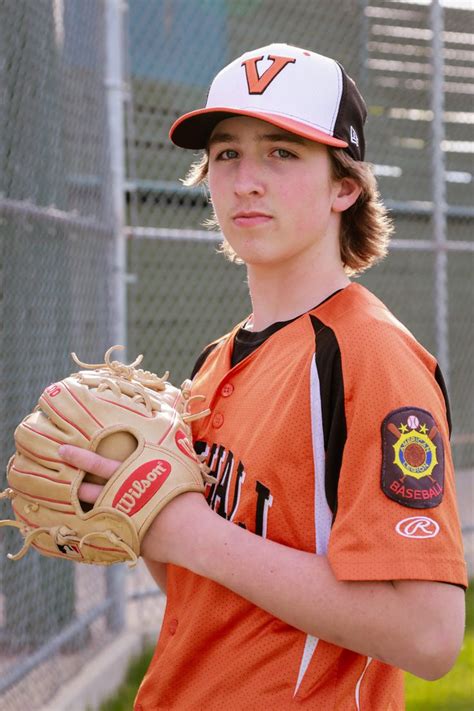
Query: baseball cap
(295,89)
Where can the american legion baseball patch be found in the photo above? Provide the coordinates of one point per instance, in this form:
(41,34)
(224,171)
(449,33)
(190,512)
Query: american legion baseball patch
(413,459)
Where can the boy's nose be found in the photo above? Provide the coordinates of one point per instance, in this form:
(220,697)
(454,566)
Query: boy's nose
(248,179)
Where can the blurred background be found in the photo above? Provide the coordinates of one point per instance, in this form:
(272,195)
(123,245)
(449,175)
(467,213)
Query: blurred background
(100,243)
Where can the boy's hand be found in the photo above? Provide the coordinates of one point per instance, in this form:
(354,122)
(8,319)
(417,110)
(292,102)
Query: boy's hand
(177,529)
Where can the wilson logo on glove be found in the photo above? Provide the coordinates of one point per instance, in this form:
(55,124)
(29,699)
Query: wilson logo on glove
(184,445)
(141,486)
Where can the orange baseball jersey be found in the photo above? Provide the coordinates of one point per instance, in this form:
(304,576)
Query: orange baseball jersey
(328,433)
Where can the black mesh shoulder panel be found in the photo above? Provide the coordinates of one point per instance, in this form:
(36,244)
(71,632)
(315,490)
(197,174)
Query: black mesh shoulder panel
(444,390)
(329,366)
(203,357)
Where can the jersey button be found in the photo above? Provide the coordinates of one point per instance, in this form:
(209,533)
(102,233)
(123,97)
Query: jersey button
(227,390)
(173,626)
(218,420)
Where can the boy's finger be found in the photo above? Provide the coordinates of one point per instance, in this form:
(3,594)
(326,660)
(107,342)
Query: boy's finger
(88,461)
(89,493)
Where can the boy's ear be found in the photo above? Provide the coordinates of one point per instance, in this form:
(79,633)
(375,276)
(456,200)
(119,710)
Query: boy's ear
(346,195)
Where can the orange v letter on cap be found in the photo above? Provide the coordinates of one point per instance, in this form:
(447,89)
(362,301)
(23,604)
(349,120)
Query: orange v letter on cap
(257,84)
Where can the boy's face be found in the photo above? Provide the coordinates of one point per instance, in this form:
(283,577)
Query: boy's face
(272,192)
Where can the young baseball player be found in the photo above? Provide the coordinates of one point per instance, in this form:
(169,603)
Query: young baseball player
(328,555)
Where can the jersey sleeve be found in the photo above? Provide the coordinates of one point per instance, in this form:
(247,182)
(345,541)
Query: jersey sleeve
(396,515)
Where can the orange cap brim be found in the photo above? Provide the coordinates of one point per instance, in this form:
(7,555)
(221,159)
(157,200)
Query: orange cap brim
(193,130)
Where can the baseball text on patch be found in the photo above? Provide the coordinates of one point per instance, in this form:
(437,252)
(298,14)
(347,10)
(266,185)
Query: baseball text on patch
(413,458)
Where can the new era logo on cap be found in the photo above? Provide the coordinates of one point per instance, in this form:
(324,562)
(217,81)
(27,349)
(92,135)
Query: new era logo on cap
(301,91)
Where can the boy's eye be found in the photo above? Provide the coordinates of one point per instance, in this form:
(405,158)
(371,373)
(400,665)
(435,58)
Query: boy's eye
(283,153)
(228,154)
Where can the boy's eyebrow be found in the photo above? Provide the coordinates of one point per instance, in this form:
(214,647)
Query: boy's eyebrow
(283,136)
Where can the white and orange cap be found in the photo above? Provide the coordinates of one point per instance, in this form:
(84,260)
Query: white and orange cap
(300,91)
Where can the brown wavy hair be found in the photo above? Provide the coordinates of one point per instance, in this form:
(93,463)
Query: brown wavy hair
(365,226)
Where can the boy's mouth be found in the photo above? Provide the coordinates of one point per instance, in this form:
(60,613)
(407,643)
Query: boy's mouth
(250,218)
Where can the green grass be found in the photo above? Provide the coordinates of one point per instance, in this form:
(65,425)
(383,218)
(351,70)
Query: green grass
(454,692)
(125,695)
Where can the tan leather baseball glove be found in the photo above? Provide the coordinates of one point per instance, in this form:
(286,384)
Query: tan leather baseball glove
(118,411)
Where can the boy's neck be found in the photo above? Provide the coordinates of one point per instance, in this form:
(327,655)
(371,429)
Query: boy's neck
(280,295)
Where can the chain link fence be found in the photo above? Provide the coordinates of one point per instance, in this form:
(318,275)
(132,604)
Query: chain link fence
(97,233)
(57,244)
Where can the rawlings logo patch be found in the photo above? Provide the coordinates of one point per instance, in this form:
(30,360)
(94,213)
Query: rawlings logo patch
(141,486)
(413,459)
(417,527)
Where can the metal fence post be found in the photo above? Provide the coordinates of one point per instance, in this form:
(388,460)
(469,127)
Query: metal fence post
(439,190)
(114,87)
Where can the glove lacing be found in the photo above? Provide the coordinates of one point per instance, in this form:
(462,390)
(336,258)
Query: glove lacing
(28,534)
(62,535)
(126,372)
(139,380)
(113,538)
